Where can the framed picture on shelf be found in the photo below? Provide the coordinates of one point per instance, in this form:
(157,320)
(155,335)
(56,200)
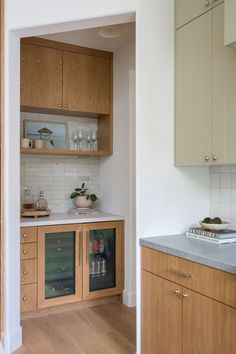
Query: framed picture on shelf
(54,135)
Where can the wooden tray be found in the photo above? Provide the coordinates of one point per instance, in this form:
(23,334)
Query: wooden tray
(34,213)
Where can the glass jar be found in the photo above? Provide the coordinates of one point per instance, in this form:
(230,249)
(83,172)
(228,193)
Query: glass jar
(28,201)
(41,203)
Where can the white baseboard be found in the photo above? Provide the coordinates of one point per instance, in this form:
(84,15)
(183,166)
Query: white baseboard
(129,298)
(11,342)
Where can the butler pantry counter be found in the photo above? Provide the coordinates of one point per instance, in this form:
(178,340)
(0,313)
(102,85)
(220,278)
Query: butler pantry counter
(222,257)
(82,217)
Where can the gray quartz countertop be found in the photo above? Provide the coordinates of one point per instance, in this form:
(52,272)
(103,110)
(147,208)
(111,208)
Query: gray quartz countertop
(81,217)
(222,257)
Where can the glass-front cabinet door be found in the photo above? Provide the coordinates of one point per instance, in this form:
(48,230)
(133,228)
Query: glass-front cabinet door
(103,259)
(59,264)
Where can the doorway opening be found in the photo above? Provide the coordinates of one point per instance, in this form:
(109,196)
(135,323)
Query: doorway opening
(77,278)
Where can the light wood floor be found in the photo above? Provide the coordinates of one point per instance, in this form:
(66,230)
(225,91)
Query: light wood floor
(103,329)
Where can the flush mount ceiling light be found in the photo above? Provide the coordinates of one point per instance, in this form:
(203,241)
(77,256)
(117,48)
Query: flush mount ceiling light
(110,32)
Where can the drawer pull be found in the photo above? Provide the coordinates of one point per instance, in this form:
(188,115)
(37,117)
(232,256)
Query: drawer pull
(179,272)
(25,251)
(24,236)
(177,292)
(25,298)
(184,296)
(25,272)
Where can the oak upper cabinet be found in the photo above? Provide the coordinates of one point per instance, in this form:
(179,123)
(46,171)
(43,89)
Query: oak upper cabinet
(187,10)
(224,93)
(208,325)
(86,83)
(193,91)
(161,330)
(41,77)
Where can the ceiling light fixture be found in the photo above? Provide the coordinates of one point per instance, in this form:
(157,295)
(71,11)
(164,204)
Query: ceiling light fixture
(110,32)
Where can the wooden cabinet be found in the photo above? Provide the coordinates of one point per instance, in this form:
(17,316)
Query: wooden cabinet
(193,91)
(86,83)
(79,262)
(197,319)
(229,23)
(58,78)
(161,316)
(29,276)
(205,93)
(41,76)
(208,325)
(65,79)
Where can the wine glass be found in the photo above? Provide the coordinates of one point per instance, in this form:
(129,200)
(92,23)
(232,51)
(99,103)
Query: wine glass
(88,138)
(75,138)
(94,138)
(80,137)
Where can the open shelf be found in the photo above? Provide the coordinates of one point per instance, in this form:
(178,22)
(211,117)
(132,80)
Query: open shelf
(64,152)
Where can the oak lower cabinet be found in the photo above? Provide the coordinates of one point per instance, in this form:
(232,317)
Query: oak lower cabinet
(161,316)
(79,261)
(176,319)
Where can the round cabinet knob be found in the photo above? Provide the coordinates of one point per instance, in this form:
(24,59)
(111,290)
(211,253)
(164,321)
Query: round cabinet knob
(207,3)
(185,296)
(207,158)
(24,236)
(25,251)
(25,272)
(59,249)
(214,158)
(66,106)
(176,292)
(24,298)
(59,105)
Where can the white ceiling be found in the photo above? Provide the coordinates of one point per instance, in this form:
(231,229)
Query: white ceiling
(90,37)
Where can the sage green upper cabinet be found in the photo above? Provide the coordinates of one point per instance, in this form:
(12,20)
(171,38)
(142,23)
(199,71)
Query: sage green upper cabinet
(193,92)
(187,10)
(224,93)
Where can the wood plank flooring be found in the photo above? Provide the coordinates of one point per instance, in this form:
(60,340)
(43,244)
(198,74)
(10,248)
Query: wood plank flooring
(102,329)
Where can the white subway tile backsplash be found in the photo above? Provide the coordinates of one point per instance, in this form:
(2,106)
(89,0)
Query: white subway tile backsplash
(223,193)
(58,176)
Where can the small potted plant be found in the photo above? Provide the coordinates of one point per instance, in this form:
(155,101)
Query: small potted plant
(82,198)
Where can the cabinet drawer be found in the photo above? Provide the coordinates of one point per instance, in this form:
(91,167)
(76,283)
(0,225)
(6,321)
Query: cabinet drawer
(29,250)
(211,282)
(29,269)
(28,297)
(28,234)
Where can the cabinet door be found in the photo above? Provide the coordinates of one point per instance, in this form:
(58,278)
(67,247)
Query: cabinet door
(187,10)
(224,93)
(209,326)
(86,83)
(59,264)
(103,261)
(161,317)
(193,92)
(41,77)
(217,2)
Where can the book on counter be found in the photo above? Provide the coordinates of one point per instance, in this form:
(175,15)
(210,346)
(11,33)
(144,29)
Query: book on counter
(212,239)
(213,234)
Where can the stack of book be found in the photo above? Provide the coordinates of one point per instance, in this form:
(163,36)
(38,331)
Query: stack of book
(220,237)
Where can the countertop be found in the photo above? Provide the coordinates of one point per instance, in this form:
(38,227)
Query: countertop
(70,218)
(222,257)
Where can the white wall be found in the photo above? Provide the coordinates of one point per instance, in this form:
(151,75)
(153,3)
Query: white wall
(116,179)
(163,192)
(168,198)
